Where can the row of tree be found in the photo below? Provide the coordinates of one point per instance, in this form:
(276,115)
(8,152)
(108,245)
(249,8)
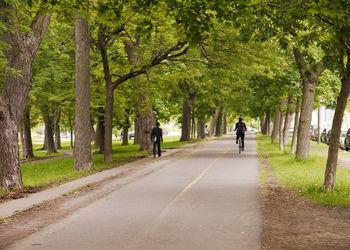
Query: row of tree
(200,62)
(145,56)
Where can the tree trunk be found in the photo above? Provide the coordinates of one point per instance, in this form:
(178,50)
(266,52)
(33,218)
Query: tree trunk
(218,131)
(100,131)
(82,144)
(319,125)
(193,125)
(201,128)
(276,125)
(268,123)
(186,120)
(57,129)
(295,130)
(108,119)
(45,140)
(263,124)
(27,137)
(10,174)
(332,159)
(303,140)
(125,136)
(137,133)
(280,132)
(224,123)
(145,117)
(20,51)
(287,121)
(213,122)
(109,124)
(49,130)
(145,122)
(309,79)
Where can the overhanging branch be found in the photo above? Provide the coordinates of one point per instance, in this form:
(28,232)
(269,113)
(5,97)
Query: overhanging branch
(176,51)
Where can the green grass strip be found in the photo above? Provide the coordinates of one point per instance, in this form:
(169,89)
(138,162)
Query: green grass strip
(306,177)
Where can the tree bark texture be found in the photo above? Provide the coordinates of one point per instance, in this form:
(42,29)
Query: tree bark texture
(268,123)
(218,131)
(287,121)
(49,130)
(303,140)
(45,140)
(136,135)
(125,136)
(280,132)
(193,125)
(295,130)
(27,136)
(201,128)
(108,119)
(186,120)
(57,129)
(224,123)
(309,79)
(82,144)
(332,159)
(276,125)
(145,116)
(145,123)
(263,124)
(100,131)
(20,52)
(213,122)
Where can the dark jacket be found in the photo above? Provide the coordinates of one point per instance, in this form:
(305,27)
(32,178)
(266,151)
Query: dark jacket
(157,135)
(240,127)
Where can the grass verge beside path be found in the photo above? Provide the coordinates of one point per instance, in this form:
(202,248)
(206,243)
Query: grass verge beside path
(306,177)
(42,174)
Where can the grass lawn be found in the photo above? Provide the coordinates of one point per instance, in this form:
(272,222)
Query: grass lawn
(306,177)
(40,174)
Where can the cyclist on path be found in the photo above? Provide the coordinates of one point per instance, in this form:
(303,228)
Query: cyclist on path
(241,129)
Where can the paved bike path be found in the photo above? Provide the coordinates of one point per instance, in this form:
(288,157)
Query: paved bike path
(206,200)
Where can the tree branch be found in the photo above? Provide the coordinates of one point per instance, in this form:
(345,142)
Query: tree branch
(157,60)
(40,24)
(300,61)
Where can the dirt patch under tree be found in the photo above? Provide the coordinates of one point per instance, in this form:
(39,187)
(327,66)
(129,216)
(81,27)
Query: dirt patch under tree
(294,222)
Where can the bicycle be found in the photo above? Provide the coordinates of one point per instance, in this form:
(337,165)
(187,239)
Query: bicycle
(240,145)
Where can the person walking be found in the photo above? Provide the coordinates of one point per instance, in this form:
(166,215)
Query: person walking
(157,138)
(241,129)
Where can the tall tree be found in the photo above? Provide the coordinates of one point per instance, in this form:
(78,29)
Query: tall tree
(20,51)
(82,145)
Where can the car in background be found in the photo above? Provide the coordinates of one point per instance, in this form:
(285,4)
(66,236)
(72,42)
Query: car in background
(131,135)
(342,139)
(324,136)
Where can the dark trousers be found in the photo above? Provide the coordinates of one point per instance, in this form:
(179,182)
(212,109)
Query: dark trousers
(242,136)
(156,145)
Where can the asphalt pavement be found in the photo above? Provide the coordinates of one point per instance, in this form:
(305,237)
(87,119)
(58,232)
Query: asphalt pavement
(207,199)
